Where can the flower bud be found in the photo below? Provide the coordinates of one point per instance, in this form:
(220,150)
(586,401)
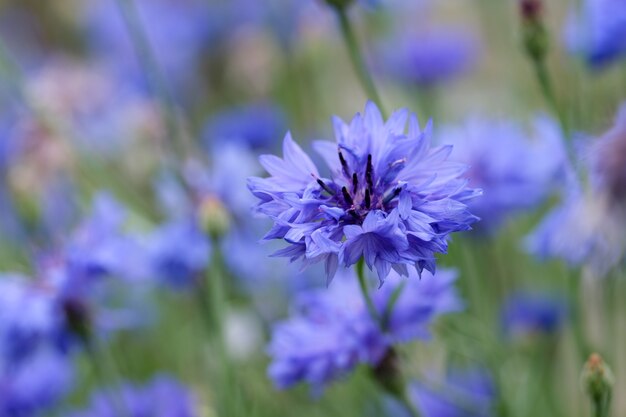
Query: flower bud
(77,318)
(535,37)
(387,373)
(214,217)
(597,380)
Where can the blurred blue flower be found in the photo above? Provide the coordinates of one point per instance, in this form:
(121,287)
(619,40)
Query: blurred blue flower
(464,393)
(607,161)
(257,126)
(516,171)
(178,253)
(428,58)
(331,331)
(35,371)
(163,396)
(36,385)
(178,31)
(597,30)
(527,313)
(390,199)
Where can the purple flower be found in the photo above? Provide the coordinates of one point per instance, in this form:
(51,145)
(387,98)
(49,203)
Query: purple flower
(35,371)
(528,313)
(36,385)
(163,396)
(597,31)
(331,331)
(464,393)
(390,198)
(256,126)
(516,172)
(607,156)
(178,31)
(430,57)
(178,253)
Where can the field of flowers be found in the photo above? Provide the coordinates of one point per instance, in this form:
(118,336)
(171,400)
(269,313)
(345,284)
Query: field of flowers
(312,208)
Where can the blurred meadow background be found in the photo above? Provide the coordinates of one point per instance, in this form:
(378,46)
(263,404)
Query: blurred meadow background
(136,276)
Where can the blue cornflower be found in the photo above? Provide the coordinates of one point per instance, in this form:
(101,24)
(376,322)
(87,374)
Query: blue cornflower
(464,393)
(586,227)
(390,199)
(35,371)
(516,171)
(332,330)
(607,161)
(255,126)
(528,313)
(178,31)
(597,31)
(178,253)
(429,58)
(163,396)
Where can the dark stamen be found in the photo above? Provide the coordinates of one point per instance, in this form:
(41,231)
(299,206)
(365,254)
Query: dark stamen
(353,213)
(392,195)
(368,201)
(368,173)
(346,196)
(355,183)
(344,164)
(325,187)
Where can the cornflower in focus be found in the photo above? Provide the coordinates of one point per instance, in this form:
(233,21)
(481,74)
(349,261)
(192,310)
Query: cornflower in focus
(391,199)
(332,330)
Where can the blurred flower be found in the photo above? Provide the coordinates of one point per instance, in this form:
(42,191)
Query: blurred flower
(35,386)
(587,226)
(430,57)
(516,172)
(163,396)
(179,33)
(597,31)
(35,371)
(98,110)
(525,314)
(391,199)
(256,126)
(608,161)
(178,253)
(332,330)
(580,230)
(465,393)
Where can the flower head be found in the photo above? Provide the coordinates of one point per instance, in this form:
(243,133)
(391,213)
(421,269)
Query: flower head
(333,331)
(516,172)
(464,393)
(391,198)
(429,58)
(529,313)
(608,161)
(598,31)
(161,397)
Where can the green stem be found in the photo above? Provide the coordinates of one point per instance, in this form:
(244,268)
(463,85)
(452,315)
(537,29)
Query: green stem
(360,271)
(356,58)
(408,404)
(151,67)
(545,83)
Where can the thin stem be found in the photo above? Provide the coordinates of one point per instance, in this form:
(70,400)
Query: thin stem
(543,77)
(408,404)
(151,67)
(356,58)
(360,271)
